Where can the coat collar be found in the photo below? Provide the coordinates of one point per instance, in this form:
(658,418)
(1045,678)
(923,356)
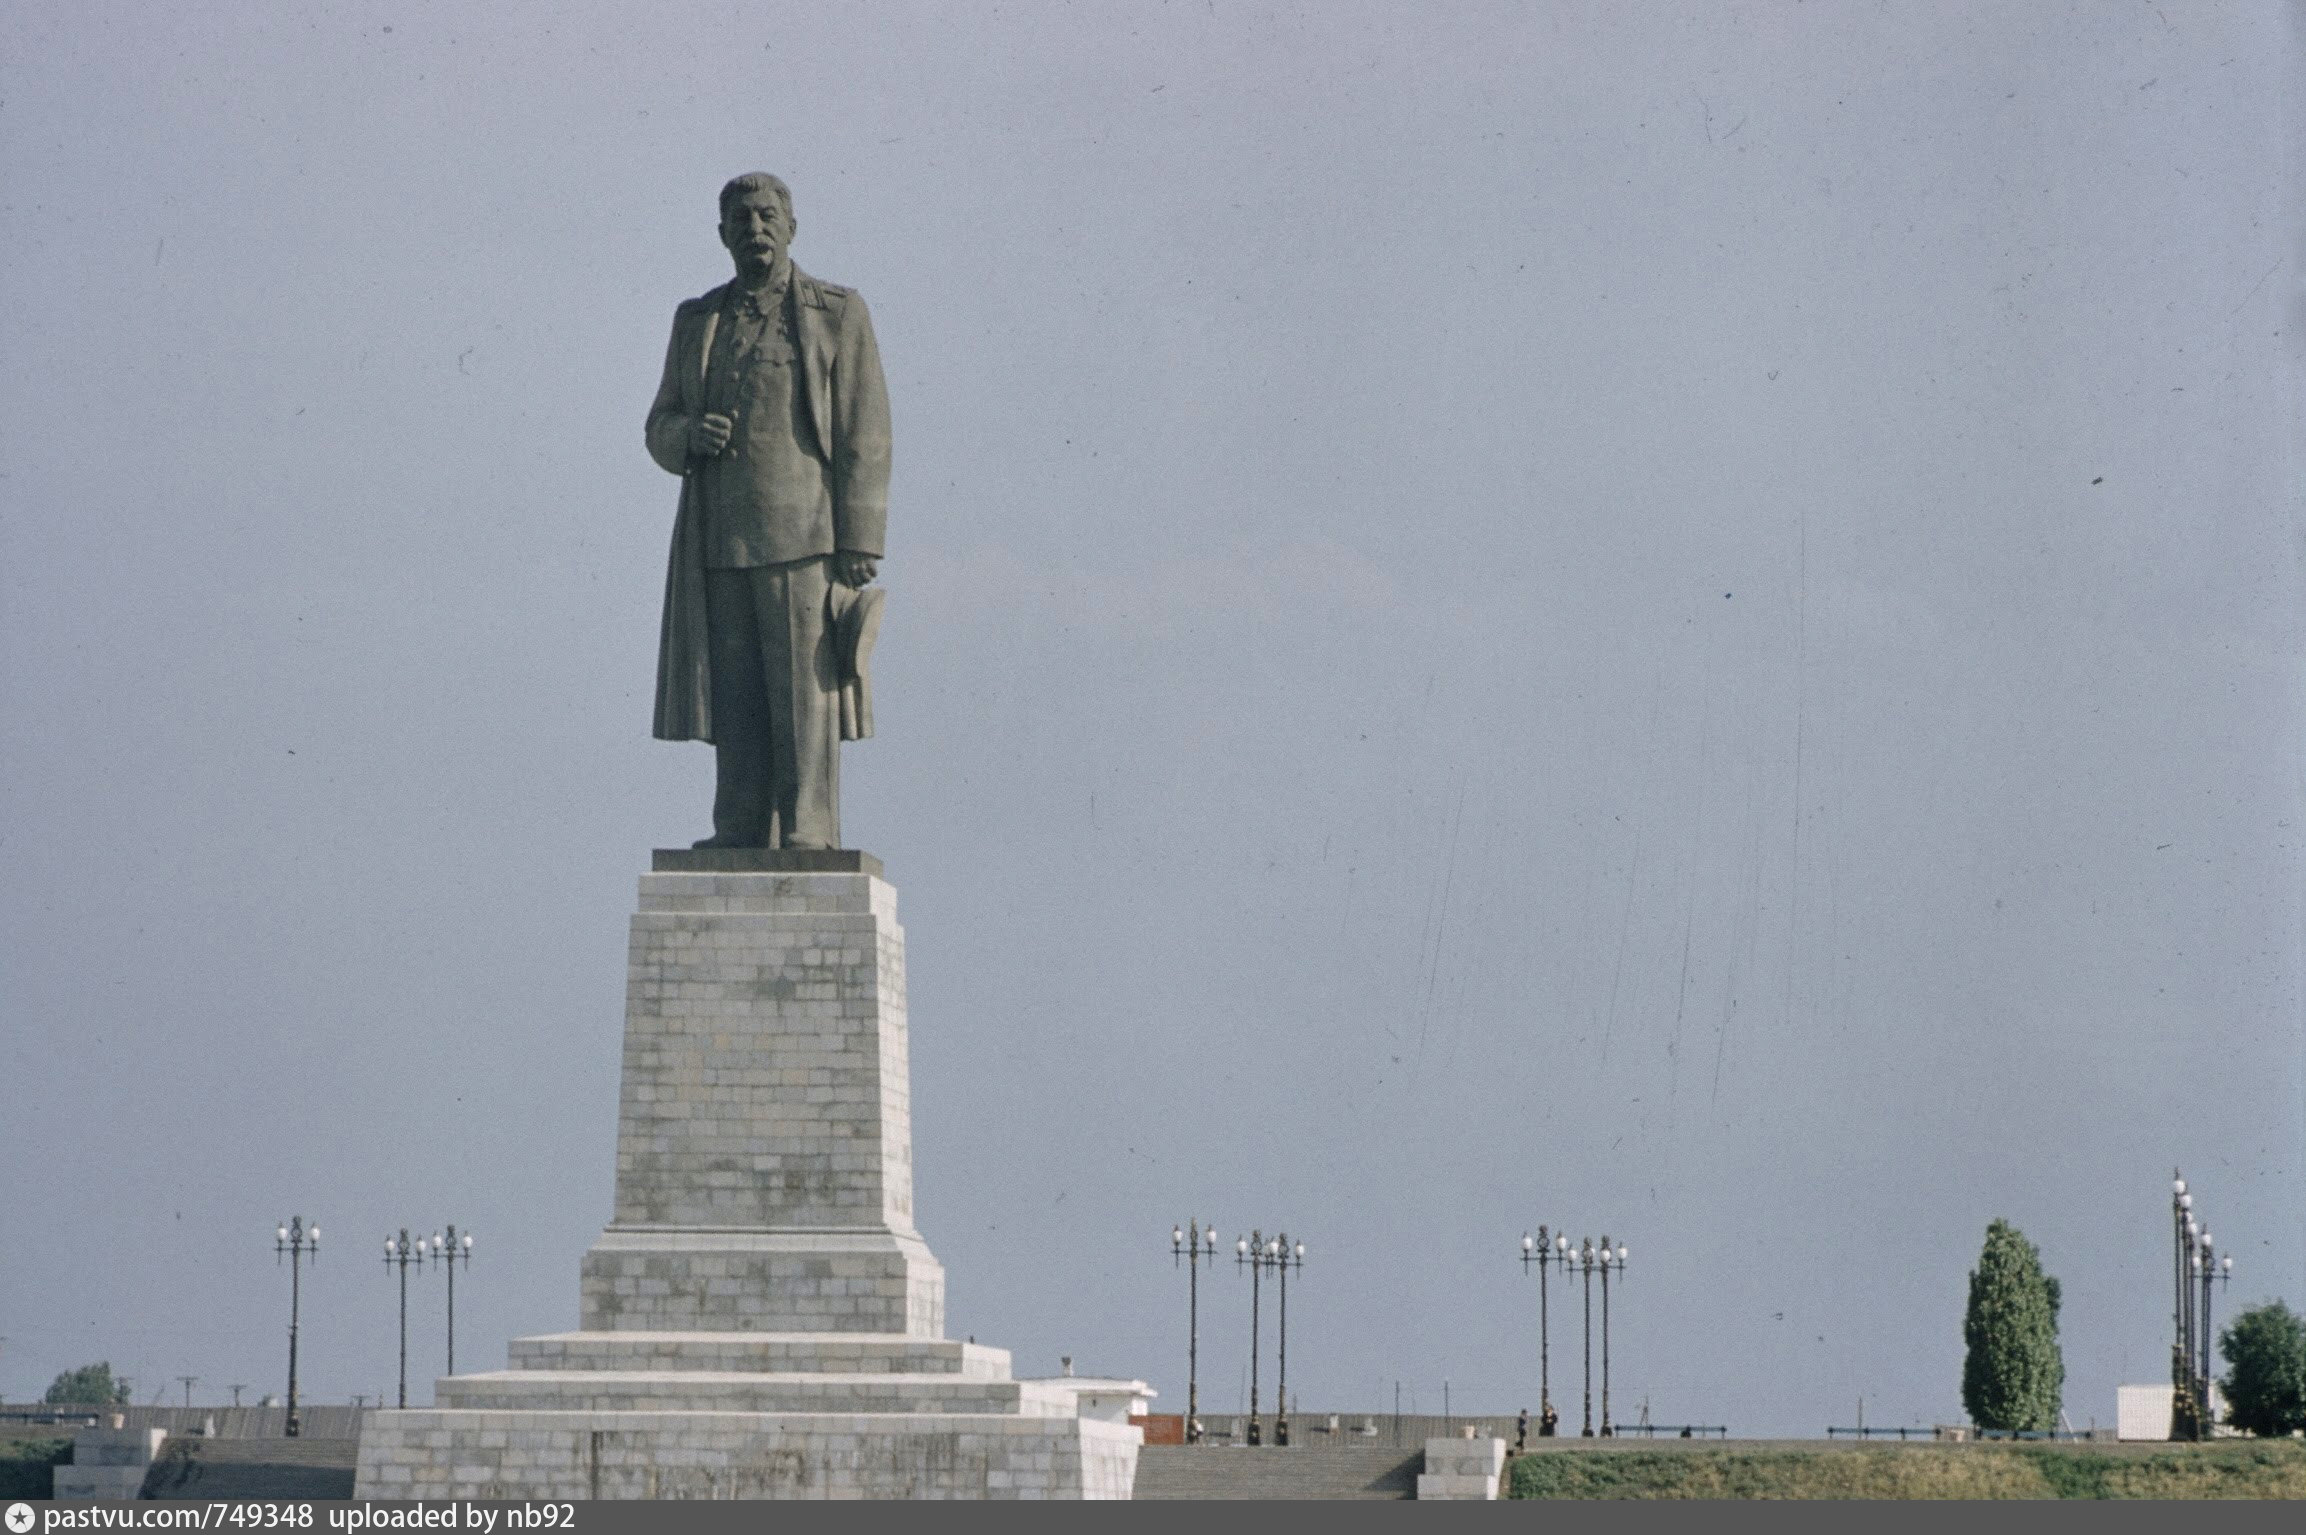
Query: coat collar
(805,289)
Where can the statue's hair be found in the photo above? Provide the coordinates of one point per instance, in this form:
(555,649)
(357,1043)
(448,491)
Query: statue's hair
(756,181)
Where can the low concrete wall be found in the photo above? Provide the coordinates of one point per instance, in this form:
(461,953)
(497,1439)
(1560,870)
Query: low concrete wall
(1461,1469)
(108,1464)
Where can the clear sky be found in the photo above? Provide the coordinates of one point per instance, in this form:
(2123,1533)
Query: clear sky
(1672,620)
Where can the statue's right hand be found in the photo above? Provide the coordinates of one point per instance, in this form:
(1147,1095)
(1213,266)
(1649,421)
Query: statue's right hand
(709,436)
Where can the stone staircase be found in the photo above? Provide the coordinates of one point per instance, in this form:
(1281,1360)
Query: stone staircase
(198,1467)
(1312,1473)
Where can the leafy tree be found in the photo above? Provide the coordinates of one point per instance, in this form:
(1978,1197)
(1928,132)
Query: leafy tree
(2266,1388)
(91,1385)
(2013,1376)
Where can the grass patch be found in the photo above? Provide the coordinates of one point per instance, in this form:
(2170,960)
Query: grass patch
(2249,1469)
(25,1466)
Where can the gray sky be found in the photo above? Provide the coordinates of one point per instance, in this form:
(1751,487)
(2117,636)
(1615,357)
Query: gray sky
(1672,620)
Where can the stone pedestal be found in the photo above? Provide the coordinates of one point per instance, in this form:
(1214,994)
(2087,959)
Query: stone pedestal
(760,1318)
(108,1464)
(1461,1468)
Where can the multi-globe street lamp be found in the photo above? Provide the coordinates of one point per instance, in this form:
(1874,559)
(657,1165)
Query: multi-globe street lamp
(2184,1414)
(295,1240)
(1284,1257)
(2204,1266)
(1609,1261)
(2194,1264)
(401,1253)
(1544,1251)
(1189,1242)
(1257,1253)
(1588,1260)
(1250,1252)
(1581,1260)
(455,1250)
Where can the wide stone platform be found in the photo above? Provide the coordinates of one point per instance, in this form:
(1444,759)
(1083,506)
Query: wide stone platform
(760,1318)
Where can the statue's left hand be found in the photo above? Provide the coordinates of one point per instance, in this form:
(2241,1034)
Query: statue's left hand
(853,569)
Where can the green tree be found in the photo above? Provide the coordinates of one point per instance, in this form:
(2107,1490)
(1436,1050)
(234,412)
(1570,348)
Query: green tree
(91,1385)
(2266,1386)
(2013,1376)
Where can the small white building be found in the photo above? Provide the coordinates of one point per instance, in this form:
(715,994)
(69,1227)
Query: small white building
(1106,1398)
(2143,1412)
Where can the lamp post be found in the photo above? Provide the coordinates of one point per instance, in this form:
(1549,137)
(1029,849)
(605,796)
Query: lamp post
(451,1252)
(1249,1253)
(1585,1262)
(401,1253)
(1543,1251)
(1284,1257)
(1609,1260)
(295,1239)
(1190,1242)
(2210,1267)
(2181,1338)
(2194,1264)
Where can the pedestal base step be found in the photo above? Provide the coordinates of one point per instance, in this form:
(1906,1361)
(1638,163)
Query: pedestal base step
(722,1391)
(818,1353)
(492,1455)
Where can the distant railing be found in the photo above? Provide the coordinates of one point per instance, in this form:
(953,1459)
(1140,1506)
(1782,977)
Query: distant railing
(64,1417)
(2032,1433)
(1959,1432)
(321,1421)
(1870,1432)
(1670,1430)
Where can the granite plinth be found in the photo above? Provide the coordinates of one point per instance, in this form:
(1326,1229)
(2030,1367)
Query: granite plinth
(665,1279)
(760,1318)
(764,1134)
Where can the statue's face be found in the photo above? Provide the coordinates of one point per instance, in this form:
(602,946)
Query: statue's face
(756,229)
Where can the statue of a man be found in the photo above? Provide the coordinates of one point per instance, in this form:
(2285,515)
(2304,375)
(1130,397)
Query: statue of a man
(774,414)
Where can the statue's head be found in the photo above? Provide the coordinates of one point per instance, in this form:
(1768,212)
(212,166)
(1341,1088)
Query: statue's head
(756,221)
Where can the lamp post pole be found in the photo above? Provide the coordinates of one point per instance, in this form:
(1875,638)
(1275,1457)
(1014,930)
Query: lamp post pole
(2211,1269)
(2181,1336)
(402,1254)
(455,1250)
(1285,1258)
(295,1239)
(1609,1260)
(1248,1252)
(1190,1242)
(1585,1260)
(1543,1251)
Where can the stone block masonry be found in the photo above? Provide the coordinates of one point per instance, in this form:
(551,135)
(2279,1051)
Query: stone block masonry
(764,1130)
(1464,1468)
(419,1454)
(760,1319)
